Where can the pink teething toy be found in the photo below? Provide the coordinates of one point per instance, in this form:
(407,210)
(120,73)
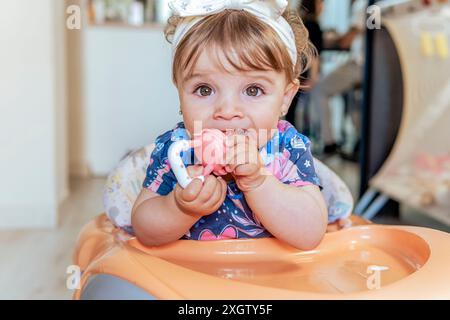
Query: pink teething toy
(209,148)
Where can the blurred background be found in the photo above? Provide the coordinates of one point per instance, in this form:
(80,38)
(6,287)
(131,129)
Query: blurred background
(83,83)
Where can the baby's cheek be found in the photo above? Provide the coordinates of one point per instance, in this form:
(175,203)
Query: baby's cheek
(194,120)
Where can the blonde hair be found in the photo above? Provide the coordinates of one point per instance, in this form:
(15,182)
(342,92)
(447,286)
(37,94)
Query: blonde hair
(240,34)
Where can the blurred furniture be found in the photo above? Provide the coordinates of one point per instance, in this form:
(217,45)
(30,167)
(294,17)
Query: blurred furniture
(352,112)
(406,150)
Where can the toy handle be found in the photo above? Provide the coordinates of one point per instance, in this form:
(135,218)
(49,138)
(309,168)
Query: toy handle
(177,165)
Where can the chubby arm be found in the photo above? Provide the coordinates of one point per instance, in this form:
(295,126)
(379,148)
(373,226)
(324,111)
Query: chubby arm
(298,217)
(158,220)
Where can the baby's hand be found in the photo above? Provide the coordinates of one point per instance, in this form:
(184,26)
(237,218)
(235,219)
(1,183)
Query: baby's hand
(200,198)
(244,162)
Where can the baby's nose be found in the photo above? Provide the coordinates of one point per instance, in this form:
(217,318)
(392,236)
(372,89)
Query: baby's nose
(228,109)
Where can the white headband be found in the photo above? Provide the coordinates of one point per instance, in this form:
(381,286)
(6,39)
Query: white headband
(268,11)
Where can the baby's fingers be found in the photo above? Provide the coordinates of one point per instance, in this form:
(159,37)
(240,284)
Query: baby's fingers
(191,192)
(195,171)
(218,196)
(208,189)
(246,169)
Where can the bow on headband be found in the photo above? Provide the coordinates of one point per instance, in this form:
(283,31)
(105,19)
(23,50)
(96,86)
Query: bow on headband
(269,11)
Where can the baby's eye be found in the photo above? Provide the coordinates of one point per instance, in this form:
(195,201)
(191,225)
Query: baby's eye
(204,91)
(253,91)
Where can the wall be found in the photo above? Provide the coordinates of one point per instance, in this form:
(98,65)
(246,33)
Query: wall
(32,107)
(128,96)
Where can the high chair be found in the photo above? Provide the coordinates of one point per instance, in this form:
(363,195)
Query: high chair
(358,261)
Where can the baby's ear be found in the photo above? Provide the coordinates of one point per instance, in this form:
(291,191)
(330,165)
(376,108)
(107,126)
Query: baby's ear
(290,91)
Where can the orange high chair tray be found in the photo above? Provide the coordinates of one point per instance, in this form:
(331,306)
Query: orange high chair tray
(360,262)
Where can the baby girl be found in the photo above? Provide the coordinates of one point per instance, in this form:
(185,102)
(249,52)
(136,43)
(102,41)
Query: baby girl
(235,66)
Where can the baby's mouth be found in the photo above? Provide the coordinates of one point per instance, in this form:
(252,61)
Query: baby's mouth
(239,131)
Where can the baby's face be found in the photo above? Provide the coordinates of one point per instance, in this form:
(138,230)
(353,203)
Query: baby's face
(232,99)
